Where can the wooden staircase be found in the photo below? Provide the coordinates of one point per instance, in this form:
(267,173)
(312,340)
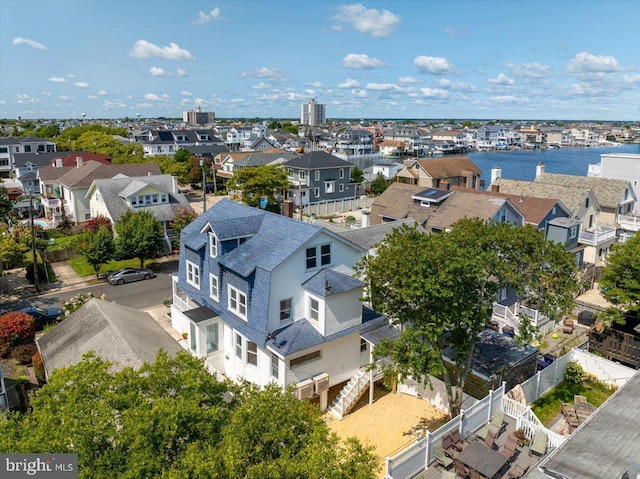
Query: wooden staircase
(352,392)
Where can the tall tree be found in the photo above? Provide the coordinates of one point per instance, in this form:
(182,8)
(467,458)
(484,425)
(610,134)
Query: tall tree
(441,288)
(172,419)
(378,185)
(98,247)
(620,280)
(357,175)
(5,204)
(260,181)
(139,235)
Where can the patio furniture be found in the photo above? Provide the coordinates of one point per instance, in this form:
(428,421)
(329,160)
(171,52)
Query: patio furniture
(570,415)
(481,461)
(509,448)
(489,439)
(539,443)
(473,474)
(448,475)
(458,443)
(517,472)
(496,425)
(447,445)
(567,326)
(441,456)
(461,469)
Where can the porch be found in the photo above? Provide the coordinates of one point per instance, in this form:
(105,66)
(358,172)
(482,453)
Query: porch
(598,236)
(629,223)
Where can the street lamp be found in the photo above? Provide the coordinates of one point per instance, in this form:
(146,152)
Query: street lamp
(204,186)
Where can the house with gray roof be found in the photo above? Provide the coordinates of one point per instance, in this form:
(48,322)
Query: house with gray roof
(10,146)
(119,334)
(318,177)
(168,142)
(268,299)
(158,194)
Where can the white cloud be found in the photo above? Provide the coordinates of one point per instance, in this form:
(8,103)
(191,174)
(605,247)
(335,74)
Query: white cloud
(358,92)
(505,99)
(70,75)
(45,93)
(31,43)
(215,14)
(434,92)
(633,79)
(530,70)
(433,65)
(23,99)
(585,62)
(269,73)
(81,84)
(144,49)
(65,98)
(377,23)
(456,86)
(57,80)
(349,83)
(381,86)
(316,84)
(501,79)
(186,93)
(92,97)
(181,72)
(2,102)
(152,97)
(166,97)
(360,61)
(102,92)
(407,80)
(157,72)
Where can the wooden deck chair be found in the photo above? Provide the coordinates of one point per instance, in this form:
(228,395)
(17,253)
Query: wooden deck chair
(489,439)
(509,448)
(441,456)
(539,443)
(473,474)
(518,472)
(461,469)
(458,443)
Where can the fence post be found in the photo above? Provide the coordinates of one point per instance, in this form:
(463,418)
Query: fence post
(427,450)
(537,385)
(490,405)
(388,472)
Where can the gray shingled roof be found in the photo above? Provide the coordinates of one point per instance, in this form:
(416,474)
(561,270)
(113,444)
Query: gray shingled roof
(92,170)
(327,283)
(122,335)
(367,238)
(605,445)
(114,192)
(609,192)
(396,203)
(261,159)
(317,160)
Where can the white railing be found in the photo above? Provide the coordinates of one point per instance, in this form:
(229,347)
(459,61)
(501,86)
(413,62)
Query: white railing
(183,304)
(513,408)
(598,236)
(595,170)
(629,222)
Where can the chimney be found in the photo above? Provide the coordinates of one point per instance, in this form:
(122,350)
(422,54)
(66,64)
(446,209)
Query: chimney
(444,185)
(287,208)
(58,163)
(366,219)
(79,162)
(539,169)
(496,173)
(521,197)
(495,188)
(174,184)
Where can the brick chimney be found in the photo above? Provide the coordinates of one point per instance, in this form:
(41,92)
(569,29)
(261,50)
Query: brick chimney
(287,208)
(79,161)
(495,188)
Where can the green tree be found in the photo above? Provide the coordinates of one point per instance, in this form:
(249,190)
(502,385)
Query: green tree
(275,125)
(291,128)
(5,204)
(48,131)
(172,419)
(620,280)
(139,235)
(98,247)
(378,185)
(357,175)
(181,219)
(12,249)
(182,155)
(441,288)
(259,181)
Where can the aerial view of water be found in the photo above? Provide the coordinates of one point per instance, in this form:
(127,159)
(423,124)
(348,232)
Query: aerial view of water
(521,164)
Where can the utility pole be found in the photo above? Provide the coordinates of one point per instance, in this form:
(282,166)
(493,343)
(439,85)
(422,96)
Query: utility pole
(33,244)
(204,186)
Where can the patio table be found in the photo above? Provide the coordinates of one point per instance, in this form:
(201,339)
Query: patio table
(481,458)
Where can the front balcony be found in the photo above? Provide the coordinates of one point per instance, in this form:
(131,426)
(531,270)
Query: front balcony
(51,203)
(598,236)
(629,223)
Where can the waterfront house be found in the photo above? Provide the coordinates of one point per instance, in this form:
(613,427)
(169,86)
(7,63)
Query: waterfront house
(430,173)
(267,299)
(168,142)
(318,177)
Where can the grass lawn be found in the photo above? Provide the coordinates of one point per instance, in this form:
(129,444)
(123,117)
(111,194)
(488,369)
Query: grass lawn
(548,406)
(82,268)
(61,242)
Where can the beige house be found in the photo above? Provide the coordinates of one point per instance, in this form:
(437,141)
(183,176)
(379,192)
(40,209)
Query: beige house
(437,172)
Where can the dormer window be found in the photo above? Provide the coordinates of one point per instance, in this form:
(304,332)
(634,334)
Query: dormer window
(573,231)
(314,309)
(213,245)
(237,302)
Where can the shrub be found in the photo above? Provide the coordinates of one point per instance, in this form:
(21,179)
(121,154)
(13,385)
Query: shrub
(94,223)
(16,328)
(574,373)
(42,275)
(23,353)
(351,218)
(38,367)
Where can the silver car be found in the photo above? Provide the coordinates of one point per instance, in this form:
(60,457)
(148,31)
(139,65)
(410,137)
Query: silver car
(127,275)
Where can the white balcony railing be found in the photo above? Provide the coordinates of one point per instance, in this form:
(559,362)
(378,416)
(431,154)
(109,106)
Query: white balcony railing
(51,203)
(595,170)
(631,223)
(598,236)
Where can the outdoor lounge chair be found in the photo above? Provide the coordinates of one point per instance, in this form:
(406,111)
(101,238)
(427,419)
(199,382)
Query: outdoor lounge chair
(518,472)
(447,445)
(567,326)
(539,443)
(489,439)
(441,456)
(458,443)
(448,475)
(461,469)
(509,448)
(496,425)
(473,474)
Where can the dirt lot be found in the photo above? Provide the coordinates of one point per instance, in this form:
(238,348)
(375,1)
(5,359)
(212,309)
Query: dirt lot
(390,424)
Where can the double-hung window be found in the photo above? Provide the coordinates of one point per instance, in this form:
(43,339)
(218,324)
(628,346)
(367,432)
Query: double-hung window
(314,309)
(238,346)
(285,309)
(252,353)
(214,292)
(312,258)
(193,274)
(275,366)
(213,245)
(237,302)
(325,254)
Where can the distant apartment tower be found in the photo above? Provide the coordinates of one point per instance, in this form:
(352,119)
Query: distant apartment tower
(198,117)
(313,113)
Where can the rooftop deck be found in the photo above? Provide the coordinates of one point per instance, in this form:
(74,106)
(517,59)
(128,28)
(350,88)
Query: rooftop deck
(521,459)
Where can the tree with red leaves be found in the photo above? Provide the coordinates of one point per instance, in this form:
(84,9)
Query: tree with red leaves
(94,223)
(16,328)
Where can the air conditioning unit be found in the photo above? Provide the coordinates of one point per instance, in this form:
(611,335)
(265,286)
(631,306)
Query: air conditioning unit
(305,389)
(321,382)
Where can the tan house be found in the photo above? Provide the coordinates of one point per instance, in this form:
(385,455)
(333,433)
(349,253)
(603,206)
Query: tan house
(392,147)
(438,172)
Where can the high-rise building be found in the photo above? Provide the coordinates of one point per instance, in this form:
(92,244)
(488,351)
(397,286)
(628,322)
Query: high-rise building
(313,113)
(198,117)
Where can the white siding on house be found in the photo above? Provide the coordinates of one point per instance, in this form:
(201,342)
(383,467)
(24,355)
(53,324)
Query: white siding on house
(342,311)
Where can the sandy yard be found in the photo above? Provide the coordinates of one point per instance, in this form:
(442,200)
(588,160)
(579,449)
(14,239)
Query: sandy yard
(389,424)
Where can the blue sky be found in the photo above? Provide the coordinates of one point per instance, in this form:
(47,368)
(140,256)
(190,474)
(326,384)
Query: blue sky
(475,59)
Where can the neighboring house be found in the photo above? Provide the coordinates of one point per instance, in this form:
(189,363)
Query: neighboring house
(167,142)
(392,148)
(430,173)
(318,177)
(270,157)
(224,162)
(619,166)
(121,335)
(353,142)
(10,146)
(257,143)
(369,237)
(267,299)
(397,202)
(158,194)
(74,182)
(496,137)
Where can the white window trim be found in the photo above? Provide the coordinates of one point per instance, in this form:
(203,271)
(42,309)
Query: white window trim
(341,173)
(193,274)
(213,278)
(317,175)
(213,245)
(310,309)
(250,353)
(290,310)
(236,310)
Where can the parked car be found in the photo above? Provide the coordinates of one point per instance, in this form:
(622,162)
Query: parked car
(43,316)
(128,275)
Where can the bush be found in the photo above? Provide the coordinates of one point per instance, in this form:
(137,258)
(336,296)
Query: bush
(38,367)
(574,373)
(16,328)
(351,218)
(42,275)
(23,353)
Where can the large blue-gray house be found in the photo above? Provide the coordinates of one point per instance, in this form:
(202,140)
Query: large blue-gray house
(264,298)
